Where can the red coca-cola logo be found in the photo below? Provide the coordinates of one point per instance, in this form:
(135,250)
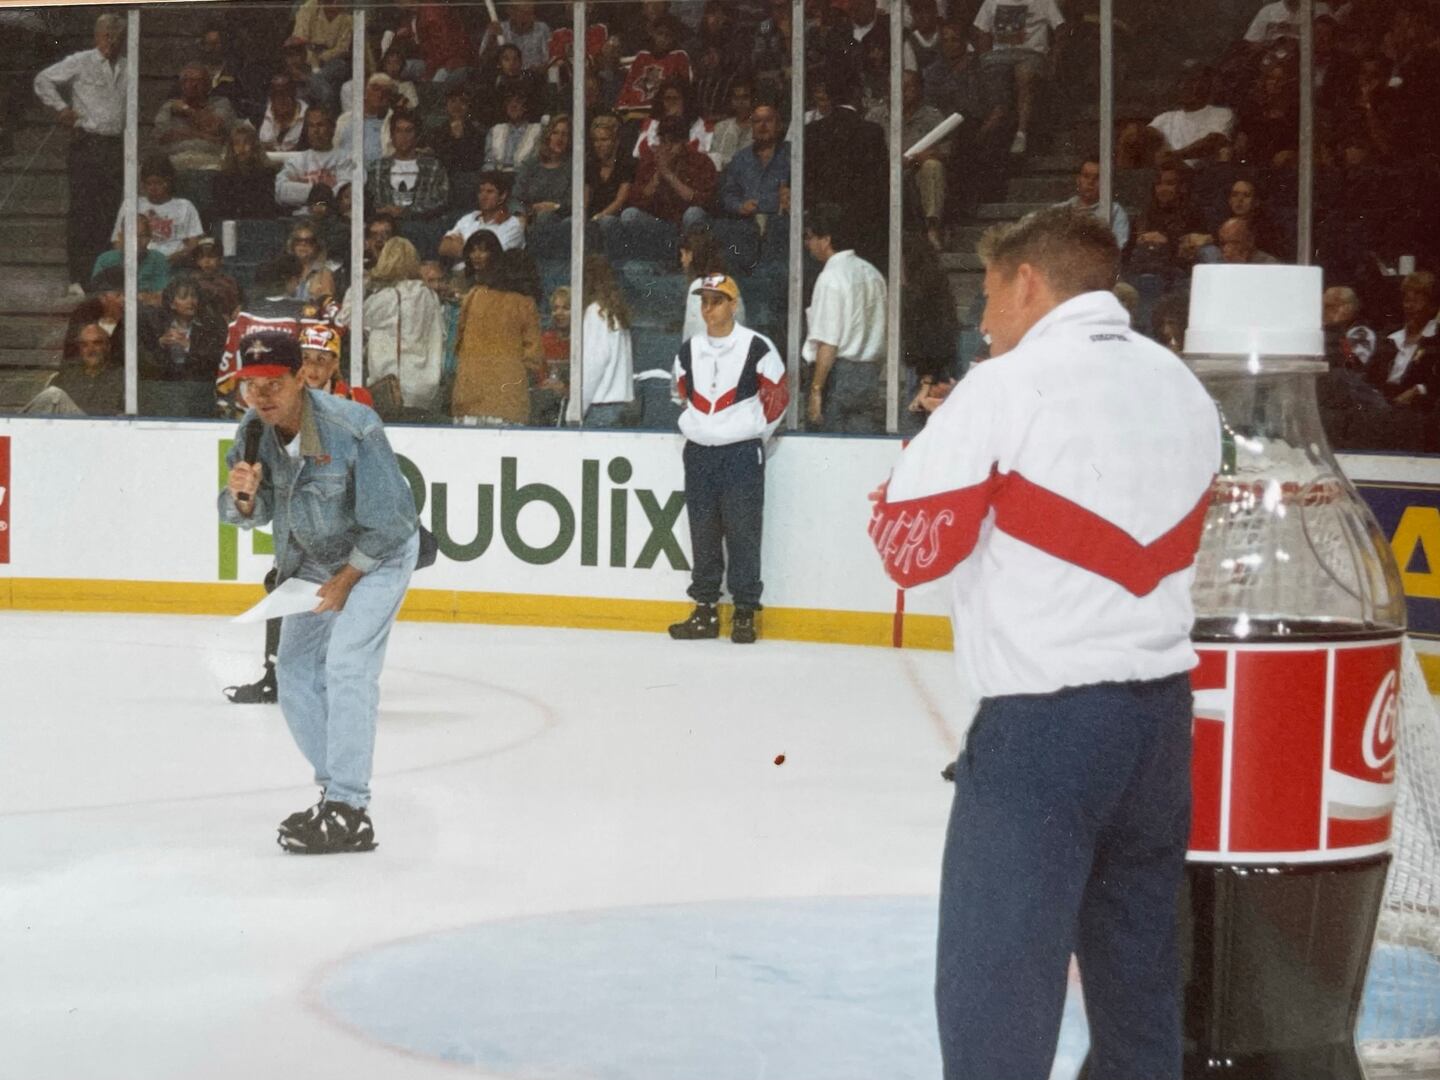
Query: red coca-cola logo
(1378,745)
(1294,750)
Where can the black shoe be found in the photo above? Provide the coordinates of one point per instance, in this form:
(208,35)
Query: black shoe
(298,821)
(337,828)
(264,692)
(742,626)
(704,622)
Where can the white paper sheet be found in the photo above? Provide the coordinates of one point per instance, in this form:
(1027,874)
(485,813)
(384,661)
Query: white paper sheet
(291,597)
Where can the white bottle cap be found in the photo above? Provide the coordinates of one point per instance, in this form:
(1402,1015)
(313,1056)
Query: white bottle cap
(1255,311)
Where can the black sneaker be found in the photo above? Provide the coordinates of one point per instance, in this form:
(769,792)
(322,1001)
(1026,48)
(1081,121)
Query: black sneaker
(704,622)
(264,692)
(299,820)
(337,828)
(742,626)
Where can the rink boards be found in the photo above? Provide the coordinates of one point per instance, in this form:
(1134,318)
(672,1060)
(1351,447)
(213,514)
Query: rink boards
(559,528)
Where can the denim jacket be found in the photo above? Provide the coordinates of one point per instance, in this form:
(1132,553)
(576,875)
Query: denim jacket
(343,501)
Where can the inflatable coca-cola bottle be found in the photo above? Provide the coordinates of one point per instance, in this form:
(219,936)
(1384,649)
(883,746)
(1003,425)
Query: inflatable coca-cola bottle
(1299,620)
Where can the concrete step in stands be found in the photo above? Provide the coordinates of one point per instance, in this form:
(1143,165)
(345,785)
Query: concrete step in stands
(49,359)
(19,385)
(32,241)
(1007,211)
(22,287)
(45,333)
(1050,188)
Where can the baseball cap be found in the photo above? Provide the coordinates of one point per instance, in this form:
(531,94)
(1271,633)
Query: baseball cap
(267,354)
(319,336)
(722,284)
(111,279)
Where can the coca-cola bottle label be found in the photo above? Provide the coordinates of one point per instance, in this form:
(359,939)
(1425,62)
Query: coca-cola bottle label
(1294,750)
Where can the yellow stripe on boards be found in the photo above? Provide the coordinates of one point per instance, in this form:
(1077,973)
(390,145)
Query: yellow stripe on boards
(448,605)
(500,609)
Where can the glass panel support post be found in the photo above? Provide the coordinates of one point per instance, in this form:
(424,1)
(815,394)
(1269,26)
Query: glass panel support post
(1305,166)
(131,211)
(893,343)
(795,328)
(578,136)
(357,199)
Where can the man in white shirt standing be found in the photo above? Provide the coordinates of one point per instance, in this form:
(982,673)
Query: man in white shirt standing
(733,383)
(846,336)
(1016,34)
(95,115)
(1060,492)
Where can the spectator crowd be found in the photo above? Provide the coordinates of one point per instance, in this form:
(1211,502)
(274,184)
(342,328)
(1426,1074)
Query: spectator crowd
(463,136)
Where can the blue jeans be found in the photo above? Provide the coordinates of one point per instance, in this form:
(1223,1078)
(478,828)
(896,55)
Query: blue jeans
(1067,835)
(695,217)
(609,414)
(329,676)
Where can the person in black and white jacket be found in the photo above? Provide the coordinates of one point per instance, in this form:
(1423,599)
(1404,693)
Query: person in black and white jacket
(733,383)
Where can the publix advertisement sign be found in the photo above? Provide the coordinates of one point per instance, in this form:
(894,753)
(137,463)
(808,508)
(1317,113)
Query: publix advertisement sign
(521,505)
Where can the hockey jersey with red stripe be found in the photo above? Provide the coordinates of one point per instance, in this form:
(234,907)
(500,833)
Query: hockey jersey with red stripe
(282,313)
(1062,489)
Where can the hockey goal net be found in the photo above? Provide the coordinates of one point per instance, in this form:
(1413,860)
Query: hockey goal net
(1400,1017)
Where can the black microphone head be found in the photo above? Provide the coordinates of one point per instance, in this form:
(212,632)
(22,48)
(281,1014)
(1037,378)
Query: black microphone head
(253,431)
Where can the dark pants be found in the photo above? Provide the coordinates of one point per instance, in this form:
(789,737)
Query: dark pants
(725,498)
(853,400)
(1067,835)
(272,626)
(97,184)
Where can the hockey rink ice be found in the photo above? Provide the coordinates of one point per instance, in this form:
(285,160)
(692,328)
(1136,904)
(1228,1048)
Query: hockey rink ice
(590,865)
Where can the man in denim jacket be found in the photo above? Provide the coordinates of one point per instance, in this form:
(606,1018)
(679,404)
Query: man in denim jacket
(328,484)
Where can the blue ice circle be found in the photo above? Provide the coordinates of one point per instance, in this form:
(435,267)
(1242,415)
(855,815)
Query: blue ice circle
(826,988)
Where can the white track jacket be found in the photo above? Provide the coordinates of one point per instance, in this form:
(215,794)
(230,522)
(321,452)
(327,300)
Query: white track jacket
(1062,487)
(734,388)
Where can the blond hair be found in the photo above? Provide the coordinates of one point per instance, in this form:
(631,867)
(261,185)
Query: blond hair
(546,154)
(1076,253)
(398,261)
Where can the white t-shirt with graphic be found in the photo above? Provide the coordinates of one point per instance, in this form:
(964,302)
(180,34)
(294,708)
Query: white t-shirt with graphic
(171,223)
(1019,24)
(404,175)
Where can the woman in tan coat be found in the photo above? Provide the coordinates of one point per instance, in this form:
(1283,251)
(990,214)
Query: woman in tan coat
(498,348)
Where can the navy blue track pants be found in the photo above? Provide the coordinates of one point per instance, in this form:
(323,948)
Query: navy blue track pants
(1067,835)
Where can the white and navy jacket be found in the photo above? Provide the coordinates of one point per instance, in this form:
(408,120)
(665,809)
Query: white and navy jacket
(734,388)
(1062,488)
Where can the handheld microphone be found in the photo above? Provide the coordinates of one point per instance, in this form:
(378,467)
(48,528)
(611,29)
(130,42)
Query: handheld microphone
(252,454)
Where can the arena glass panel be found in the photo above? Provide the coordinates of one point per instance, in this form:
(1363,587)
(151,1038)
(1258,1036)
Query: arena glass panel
(1206,142)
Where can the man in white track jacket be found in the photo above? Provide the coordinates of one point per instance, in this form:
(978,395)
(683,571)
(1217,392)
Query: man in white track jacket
(1061,489)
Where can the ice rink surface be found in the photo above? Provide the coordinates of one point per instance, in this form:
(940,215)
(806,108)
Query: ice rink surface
(590,865)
